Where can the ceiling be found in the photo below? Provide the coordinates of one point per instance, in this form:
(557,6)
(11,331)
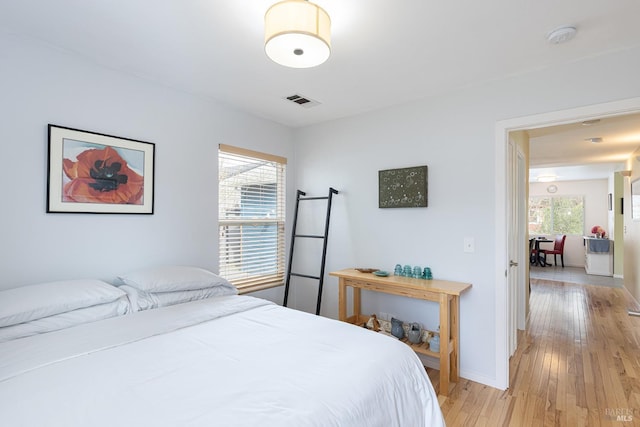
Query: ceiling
(384,53)
(568,153)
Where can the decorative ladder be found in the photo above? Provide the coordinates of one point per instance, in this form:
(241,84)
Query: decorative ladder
(324,237)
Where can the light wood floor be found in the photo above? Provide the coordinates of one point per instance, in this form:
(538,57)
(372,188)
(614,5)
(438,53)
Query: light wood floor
(578,364)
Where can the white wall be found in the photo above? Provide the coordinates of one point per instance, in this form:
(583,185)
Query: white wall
(454,135)
(41,85)
(595,213)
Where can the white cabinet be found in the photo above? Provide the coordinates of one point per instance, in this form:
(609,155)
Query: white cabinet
(598,256)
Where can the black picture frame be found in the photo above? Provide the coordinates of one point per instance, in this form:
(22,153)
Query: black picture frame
(89,172)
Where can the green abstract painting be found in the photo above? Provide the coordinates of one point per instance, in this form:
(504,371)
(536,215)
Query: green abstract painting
(403,188)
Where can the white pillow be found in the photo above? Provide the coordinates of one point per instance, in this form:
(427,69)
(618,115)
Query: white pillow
(32,302)
(171,298)
(141,300)
(65,320)
(174,278)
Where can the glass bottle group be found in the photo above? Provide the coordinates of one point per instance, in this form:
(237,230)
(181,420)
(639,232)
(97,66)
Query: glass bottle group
(416,272)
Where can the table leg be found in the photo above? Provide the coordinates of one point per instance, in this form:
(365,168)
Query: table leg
(455,333)
(342,300)
(540,260)
(444,344)
(357,303)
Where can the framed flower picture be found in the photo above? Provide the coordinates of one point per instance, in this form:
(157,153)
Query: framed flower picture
(91,172)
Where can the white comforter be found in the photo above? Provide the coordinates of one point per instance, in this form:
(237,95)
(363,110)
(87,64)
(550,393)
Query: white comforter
(227,361)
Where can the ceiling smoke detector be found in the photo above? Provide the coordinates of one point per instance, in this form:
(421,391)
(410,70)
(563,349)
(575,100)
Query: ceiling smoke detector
(561,35)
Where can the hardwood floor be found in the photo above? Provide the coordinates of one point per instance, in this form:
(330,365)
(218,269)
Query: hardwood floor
(577,364)
(573,275)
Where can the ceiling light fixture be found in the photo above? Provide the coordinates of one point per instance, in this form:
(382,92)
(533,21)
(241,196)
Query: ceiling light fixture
(596,140)
(547,178)
(561,35)
(297,34)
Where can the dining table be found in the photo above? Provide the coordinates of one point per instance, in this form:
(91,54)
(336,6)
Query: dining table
(539,258)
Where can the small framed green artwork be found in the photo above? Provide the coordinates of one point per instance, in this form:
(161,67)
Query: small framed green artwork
(403,188)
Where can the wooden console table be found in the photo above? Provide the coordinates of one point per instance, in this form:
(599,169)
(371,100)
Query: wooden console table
(445,293)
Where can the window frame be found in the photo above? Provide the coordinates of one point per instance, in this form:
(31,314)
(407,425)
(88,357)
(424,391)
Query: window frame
(551,208)
(252,282)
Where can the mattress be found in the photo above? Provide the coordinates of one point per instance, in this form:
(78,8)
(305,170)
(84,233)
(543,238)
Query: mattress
(225,361)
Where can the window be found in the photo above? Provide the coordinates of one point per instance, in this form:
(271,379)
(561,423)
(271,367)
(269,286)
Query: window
(251,204)
(556,215)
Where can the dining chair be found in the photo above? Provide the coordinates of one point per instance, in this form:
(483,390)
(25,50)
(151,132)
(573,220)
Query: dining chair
(532,251)
(558,249)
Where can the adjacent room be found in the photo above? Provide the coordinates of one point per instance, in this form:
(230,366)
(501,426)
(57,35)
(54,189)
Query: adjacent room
(320,213)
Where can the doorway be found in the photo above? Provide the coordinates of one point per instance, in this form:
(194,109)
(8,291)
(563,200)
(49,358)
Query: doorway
(503,171)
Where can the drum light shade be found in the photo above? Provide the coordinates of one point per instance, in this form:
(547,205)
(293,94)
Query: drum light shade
(297,34)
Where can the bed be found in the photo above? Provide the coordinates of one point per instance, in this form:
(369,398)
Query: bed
(225,360)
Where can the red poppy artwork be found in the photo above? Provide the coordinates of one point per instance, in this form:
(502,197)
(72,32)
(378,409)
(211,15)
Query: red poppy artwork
(97,173)
(101,175)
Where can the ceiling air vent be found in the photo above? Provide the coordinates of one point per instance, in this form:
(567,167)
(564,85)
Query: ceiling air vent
(302,101)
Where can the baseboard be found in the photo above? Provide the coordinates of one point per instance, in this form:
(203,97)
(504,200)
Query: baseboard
(433,363)
(482,379)
(618,276)
(637,307)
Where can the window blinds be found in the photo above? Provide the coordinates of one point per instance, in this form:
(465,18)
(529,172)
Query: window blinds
(251,217)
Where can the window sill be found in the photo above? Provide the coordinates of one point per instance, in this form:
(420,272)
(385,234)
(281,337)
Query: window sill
(246,289)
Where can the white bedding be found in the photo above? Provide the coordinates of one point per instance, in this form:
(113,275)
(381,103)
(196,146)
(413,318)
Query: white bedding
(225,361)
(66,320)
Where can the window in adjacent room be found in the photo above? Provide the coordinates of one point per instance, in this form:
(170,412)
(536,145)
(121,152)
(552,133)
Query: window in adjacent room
(556,215)
(251,203)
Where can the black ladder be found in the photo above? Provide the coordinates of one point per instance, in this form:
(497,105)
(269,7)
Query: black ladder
(294,235)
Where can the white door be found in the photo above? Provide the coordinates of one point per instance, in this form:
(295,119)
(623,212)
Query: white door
(521,242)
(516,289)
